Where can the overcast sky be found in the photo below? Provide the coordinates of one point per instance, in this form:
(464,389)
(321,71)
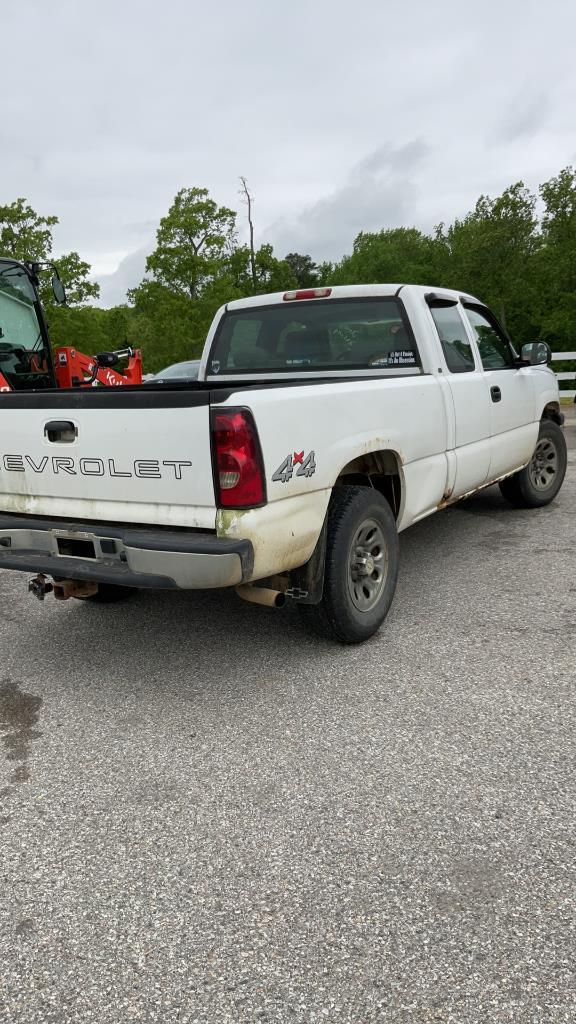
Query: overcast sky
(342,115)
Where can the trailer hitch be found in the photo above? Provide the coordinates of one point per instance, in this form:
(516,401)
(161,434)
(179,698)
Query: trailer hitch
(65,589)
(40,586)
(62,589)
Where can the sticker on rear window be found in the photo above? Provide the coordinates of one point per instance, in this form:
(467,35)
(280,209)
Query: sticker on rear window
(402,357)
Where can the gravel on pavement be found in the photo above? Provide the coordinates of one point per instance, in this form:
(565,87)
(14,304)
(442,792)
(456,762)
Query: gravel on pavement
(208,816)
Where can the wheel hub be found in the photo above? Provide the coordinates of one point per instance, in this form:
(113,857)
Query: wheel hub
(368,565)
(364,565)
(544,464)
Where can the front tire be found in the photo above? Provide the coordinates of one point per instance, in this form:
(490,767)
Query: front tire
(539,482)
(361,569)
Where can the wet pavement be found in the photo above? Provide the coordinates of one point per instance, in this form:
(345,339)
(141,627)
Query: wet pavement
(208,816)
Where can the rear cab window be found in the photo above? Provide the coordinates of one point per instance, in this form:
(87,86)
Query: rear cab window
(322,336)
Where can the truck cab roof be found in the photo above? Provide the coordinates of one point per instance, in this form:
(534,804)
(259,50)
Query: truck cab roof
(348,291)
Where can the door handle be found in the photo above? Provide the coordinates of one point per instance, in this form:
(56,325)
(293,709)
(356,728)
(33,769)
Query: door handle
(61,431)
(495,393)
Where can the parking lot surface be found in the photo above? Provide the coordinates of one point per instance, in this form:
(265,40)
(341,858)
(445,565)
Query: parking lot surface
(208,816)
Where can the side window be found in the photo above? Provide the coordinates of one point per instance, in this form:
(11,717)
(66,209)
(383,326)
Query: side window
(494,350)
(453,338)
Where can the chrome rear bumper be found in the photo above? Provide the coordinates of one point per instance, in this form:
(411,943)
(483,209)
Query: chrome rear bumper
(127,555)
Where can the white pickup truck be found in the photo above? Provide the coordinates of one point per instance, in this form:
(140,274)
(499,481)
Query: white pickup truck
(323,422)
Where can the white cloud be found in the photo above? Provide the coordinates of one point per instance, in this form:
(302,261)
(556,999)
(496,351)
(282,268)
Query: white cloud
(377,193)
(523,118)
(128,274)
(136,102)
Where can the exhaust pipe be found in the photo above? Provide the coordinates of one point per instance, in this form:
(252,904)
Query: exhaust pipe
(261,595)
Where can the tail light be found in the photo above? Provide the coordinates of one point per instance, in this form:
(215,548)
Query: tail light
(307,293)
(238,467)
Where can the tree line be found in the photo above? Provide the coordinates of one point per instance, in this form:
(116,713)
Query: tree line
(516,252)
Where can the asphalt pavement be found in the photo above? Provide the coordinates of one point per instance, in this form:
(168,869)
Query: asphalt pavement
(208,816)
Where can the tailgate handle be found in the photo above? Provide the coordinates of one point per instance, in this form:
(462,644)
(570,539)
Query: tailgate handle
(61,431)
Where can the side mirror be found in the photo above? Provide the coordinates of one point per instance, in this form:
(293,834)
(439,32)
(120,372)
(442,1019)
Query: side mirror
(536,353)
(58,290)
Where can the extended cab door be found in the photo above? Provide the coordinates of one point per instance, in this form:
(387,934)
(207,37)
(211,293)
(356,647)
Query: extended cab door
(510,391)
(463,373)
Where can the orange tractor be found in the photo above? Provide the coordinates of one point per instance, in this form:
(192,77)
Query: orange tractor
(26,357)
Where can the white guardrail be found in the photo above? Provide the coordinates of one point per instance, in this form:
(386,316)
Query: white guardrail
(565,374)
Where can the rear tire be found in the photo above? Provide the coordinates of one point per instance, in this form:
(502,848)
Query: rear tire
(361,569)
(539,482)
(109,593)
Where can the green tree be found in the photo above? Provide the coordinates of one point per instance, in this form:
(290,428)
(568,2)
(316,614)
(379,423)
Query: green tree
(118,327)
(24,234)
(405,255)
(193,241)
(196,267)
(326,273)
(303,269)
(75,272)
(555,277)
(488,252)
(272,275)
(82,327)
(166,325)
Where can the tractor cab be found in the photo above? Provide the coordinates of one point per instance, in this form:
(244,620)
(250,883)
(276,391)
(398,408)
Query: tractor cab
(25,354)
(26,359)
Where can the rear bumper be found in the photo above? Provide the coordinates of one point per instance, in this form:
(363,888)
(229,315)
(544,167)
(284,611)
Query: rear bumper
(124,555)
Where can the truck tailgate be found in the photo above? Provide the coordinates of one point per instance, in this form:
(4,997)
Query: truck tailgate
(123,455)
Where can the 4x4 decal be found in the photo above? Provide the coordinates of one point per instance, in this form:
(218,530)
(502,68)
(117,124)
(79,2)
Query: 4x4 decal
(305,463)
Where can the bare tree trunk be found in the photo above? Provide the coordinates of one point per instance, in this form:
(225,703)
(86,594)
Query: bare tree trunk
(248,200)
